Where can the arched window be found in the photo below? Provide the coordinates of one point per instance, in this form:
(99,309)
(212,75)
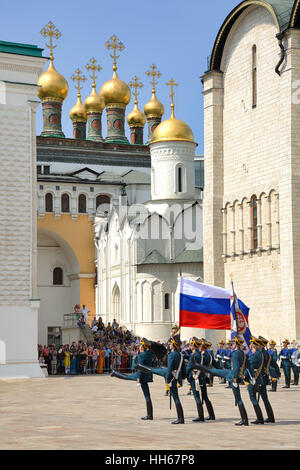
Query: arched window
(254,222)
(102,203)
(57,276)
(65,203)
(49,202)
(167,301)
(82,204)
(254,77)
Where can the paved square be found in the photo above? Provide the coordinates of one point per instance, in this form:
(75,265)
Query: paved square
(102,412)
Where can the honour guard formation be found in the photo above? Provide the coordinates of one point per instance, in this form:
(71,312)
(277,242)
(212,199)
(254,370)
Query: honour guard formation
(255,370)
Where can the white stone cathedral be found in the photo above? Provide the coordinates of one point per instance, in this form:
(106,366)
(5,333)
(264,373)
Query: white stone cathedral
(144,249)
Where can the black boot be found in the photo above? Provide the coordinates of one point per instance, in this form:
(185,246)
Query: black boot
(200,413)
(115,373)
(243,413)
(149,411)
(210,410)
(259,415)
(180,417)
(274,386)
(270,414)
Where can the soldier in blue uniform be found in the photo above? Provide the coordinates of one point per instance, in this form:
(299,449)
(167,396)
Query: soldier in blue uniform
(227,358)
(206,360)
(253,377)
(285,364)
(146,358)
(234,376)
(193,376)
(174,374)
(175,330)
(219,357)
(211,353)
(294,361)
(265,379)
(273,369)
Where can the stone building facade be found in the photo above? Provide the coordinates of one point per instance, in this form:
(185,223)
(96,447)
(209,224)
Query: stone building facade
(251,203)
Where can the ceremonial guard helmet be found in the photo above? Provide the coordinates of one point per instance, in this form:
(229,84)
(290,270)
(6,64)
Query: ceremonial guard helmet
(145,343)
(238,341)
(263,340)
(195,341)
(255,341)
(175,340)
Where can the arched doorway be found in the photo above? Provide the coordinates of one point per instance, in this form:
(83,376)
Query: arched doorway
(58,284)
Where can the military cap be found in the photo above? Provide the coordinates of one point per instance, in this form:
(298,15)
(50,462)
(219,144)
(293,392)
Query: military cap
(175,339)
(145,343)
(221,342)
(286,341)
(228,342)
(176,327)
(195,341)
(255,341)
(263,340)
(238,341)
(272,342)
(205,344)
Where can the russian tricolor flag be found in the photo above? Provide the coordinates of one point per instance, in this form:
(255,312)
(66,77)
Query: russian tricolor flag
(205,306)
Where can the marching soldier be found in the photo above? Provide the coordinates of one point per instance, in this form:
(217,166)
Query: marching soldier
(265,380)
(206,360)
(234,376)
(173,374)
(273,369)
(227,358)
(146,358)
(285,364)
(212,362)
(295,362)
(193,376)
(219,357)
(174,331)
(253,377)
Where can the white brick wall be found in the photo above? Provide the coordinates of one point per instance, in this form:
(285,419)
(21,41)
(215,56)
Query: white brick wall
(261,150)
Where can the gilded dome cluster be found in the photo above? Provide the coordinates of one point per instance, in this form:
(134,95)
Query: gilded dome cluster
(114,95)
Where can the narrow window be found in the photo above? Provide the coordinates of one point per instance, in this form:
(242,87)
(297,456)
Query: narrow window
(167,301)
(179,179)
(65,203)
(39,169)
(82,204)
(254,77)
(49,202)
(57,276)
(46,170)
(254,222)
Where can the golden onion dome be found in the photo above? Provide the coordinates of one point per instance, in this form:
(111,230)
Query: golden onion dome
(115,92)
(172,129)
(94,103)
(53,85)
(78,112)
(154,108)
(136,118)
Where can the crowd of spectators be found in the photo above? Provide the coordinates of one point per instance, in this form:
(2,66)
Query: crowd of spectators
(112,347)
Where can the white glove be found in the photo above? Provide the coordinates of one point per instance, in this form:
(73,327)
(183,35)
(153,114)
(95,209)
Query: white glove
(170,384)
(253,381)
(235,384)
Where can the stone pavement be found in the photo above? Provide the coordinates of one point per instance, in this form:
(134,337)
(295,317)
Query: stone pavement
(101,412)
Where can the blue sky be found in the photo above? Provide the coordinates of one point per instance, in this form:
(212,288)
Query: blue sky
(176,35)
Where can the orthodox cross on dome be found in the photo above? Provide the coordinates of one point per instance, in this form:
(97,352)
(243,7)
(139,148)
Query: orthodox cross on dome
(78,77)
(153,72)
(116,45)
(51,32)
(94,68)
(135,84)
(172,83)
